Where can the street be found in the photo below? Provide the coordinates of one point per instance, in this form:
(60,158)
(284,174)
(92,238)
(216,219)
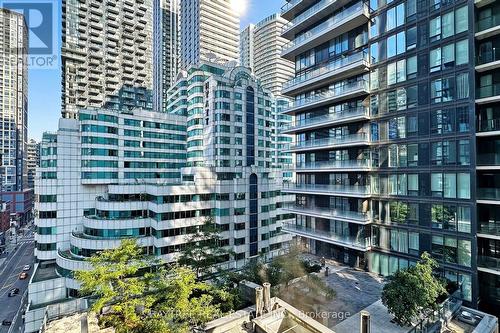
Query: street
(11,307)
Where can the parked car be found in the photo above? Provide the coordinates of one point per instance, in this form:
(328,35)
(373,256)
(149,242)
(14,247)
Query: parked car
(468,318)
(26,268)
(11,294)
(23,276)
(6,322)
(15,290)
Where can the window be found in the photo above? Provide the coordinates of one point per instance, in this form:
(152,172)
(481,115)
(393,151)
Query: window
(463,188)
(461,20)
(462,52)
(435,28)
(411,38)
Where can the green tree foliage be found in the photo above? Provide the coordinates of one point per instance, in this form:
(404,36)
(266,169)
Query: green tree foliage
(204,250)
(134,294)
(414,291)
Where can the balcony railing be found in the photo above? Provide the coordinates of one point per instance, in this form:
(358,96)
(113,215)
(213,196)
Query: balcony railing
(488,91)
(489,229)
(488,159)
(329,67)
(333,92)
(489,125)
(488,262)
(307,13)
(345,164)
(334,189)
(331,117)
(487,57)
(358,242)
(488,193)
(329,212)
(488,22)
(289,5)
(321,28)
(318,143)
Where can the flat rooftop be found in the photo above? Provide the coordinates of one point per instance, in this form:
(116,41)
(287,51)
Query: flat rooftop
(355,290)
(45,271)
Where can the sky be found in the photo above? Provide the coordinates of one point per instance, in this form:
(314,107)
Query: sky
(44,85)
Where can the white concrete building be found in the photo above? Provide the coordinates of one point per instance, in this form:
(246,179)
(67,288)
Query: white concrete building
(209,28)
(13,101)
(33,161)
(157,177)
(106,45)
(247,46)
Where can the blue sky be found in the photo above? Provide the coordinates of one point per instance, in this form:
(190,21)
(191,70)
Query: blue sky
(44,85)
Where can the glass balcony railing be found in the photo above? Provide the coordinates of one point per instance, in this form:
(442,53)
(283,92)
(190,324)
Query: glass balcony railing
(334,189)
(488,262)
(345,164)
(331,117)
(329,212)
(330,67)
(488,193)
(488,91)
(487,57)
(321,28)
(333,92)
(358,242)
(488,159)
(289,5)
(68,255)
(318,143)
(489,228)
(487,23)
(308,13)
(489,125)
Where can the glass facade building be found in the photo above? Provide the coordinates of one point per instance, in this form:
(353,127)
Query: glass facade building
(384,117)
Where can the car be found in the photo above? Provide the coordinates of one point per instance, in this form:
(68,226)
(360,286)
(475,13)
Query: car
(23,276)
(6,322)
(15,290)
(468,318)
(11,294)
(26,268)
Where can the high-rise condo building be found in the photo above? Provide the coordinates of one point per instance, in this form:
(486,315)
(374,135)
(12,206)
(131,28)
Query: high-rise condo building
(106,45)
(165,49)
(385,110)
(209,28)
(33,161)
(260,50)
(269,67)
(13,101)
(157,177)
(247,43)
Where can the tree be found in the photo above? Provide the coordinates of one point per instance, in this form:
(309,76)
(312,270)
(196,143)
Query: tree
(134,293)
(204,250)
(414,291)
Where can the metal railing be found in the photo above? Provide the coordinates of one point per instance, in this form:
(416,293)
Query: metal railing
(330,67)
(488,91)
(489,228)
(486,57)
(289,5)
(489,125)
(317,143)
(488,262)
(319,29)
(488,193)
(308,13)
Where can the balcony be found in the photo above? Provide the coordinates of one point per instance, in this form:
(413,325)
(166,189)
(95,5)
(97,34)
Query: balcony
(361,244)
(327,166)
(349,115)
(344,21)
(488,161)
(487,230)
(489,127)
(482,3)
(310,16)
(351,140)
(488,27)
(488,94)
(487,61)
(488,195)
(339,69)
(488,264)
(325,189)
(337,94)
(334,214)
(292,7)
